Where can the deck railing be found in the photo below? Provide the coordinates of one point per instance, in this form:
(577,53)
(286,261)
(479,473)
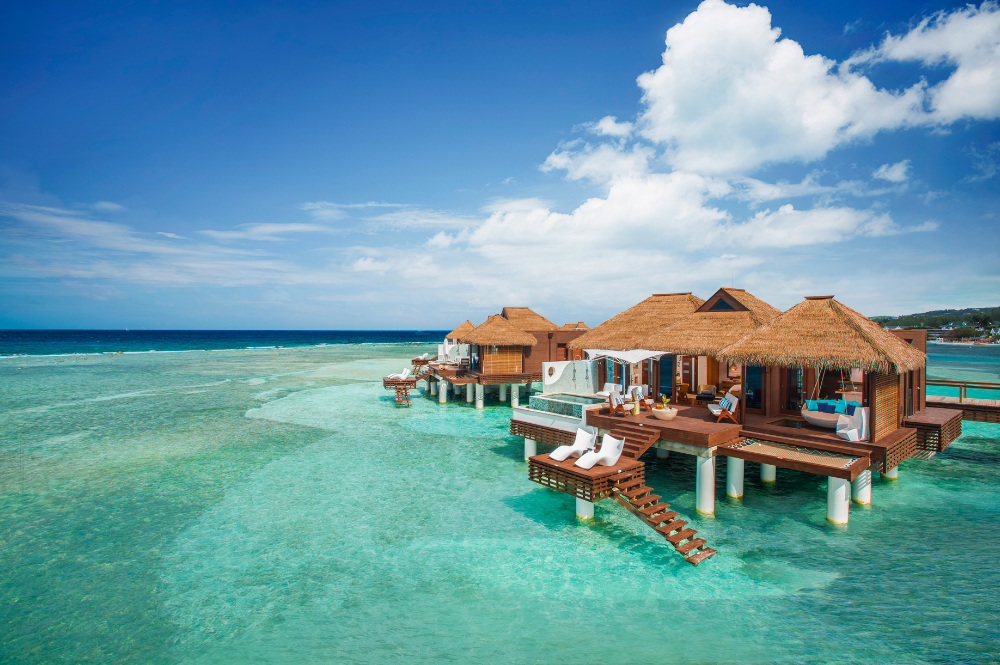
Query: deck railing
(963,386)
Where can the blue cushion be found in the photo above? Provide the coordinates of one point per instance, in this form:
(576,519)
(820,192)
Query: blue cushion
(724,402)
(855,403)
(812,405)
(849,410)
(840,408)
(825,408)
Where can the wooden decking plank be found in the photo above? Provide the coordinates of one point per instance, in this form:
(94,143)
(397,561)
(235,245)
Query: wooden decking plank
(663,517)
(652,510)
(645,500)
(692,544)
(637,492)
(670,527)
(681,535)
(706,553)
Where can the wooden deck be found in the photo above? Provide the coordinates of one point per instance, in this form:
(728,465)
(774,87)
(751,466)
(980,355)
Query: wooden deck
(972,408)
(936,429)
(788,456)
(693,425)
(588,484)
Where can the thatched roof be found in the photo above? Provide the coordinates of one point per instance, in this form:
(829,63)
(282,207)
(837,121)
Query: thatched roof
(525,319)
(498,331)
(823,333)
(627,330)
(575,326)
(461,330)
(726,317)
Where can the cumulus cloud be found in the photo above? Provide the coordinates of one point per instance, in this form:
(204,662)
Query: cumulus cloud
(898,172)
(967,39)
(732,95)
(609,126)
(599,164)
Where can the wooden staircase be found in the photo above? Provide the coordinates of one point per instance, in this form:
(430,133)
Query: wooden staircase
(402,395)
(403,387)
(638,439)
(638,498)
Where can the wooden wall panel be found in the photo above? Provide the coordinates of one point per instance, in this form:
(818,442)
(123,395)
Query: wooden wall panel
(502,359)
(886,404)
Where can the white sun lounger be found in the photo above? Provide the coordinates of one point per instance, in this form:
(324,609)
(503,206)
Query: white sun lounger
(611,450)
(401,376)
(584,442)
(608,389)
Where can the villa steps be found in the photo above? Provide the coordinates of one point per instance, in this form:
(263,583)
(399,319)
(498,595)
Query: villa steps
(663,517)
(641,501)
(402,396)
(637,497)
(638,439)
(670,527)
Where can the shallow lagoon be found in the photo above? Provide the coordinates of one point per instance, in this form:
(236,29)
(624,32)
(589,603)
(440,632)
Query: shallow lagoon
(274,506)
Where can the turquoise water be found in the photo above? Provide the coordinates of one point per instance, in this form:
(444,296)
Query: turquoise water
(274,506)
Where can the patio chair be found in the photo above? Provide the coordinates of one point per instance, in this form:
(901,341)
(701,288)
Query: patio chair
(726,408)
(617,403)
(585,442)
(637,393)
(643,389)
(608,455)
(853,427)
(706,393)
(401,376)
(608,388)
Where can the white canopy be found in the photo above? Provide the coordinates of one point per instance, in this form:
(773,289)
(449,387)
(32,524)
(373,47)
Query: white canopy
(633,356)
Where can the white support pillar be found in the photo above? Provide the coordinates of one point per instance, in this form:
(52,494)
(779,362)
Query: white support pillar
(861,488)
(891,474)
(457,389)
(527,389)
(584,509)
(503,392)
(705,485)
(734,477)
(470,392)
(768,473)
(434,387)
(514,397)
(530,448)
(479,396)
(662,453)
(838,501)
(443,393)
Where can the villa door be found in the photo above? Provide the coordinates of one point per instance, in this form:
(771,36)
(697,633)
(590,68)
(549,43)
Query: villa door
(687,373)
(792,389)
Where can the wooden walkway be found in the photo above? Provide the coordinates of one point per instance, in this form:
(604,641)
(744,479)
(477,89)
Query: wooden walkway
(936,429)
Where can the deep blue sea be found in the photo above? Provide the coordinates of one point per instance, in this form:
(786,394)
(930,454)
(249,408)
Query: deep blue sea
(247,503)
(61,342)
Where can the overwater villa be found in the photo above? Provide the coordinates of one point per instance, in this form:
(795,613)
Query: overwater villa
(505,352)
(819,389)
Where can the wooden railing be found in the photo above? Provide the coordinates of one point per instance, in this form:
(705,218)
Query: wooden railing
(963,386)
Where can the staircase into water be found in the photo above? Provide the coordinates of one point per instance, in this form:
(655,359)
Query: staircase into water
(638,498)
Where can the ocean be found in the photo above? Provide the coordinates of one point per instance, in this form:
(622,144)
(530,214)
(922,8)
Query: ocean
(224,500)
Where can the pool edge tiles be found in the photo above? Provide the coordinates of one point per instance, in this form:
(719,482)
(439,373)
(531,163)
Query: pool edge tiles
(558,403)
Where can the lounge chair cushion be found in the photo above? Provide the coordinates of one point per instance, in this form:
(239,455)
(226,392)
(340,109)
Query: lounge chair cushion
(812,405)
(849,409)
(841,407)
(826,408)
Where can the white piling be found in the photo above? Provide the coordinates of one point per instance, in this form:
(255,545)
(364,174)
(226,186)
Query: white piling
(891,474)
(705,485)
(861,488)
(514,401)
(584,509)
(470,392)
(479,396)
(734,477)
(503,392)
(530,448)
(768,473)
(457,389)
(838,501)
(434,387)
(443,393)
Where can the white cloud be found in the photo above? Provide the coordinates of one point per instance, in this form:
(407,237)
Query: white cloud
(508,181)
(170,235)
(267,232)
(732,96)
(599,164)
(898,172)
(513,205)
(609,126)
(967,39)
(107,206)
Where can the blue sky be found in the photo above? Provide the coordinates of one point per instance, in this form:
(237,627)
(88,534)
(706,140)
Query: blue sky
(389,165)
